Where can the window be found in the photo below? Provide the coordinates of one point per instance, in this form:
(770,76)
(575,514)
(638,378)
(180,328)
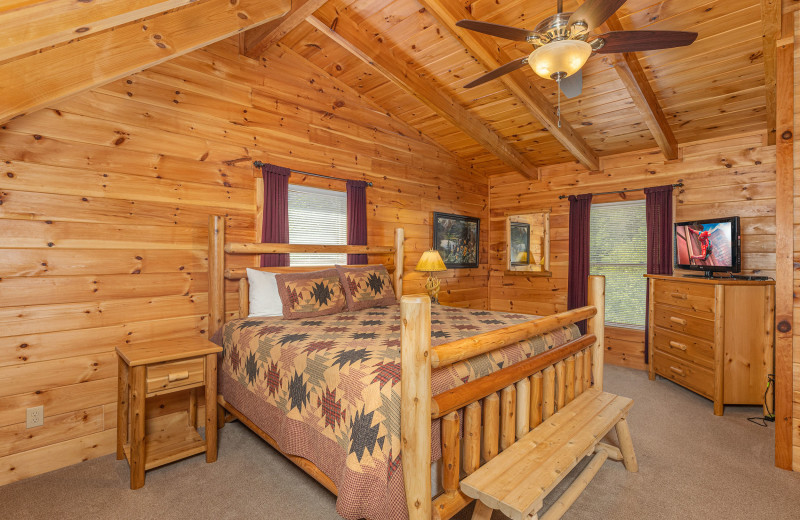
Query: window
(618,250)
(317,217)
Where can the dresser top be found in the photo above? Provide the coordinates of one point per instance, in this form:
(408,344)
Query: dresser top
(710,281)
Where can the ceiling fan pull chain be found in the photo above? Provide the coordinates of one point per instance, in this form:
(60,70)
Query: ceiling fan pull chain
(558,111)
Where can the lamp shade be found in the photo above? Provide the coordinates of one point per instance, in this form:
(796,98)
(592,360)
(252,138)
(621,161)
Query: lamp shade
(431,261)
(560,57)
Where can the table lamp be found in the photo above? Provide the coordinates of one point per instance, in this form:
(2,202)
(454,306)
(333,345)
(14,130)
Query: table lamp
(431,262)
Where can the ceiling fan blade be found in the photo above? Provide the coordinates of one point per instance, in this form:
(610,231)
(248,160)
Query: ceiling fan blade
(573,85)
(594,12)
(511,66)
(493,29)
(633,41)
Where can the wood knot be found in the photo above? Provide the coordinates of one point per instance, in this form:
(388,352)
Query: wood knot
(784,326)
(786,135)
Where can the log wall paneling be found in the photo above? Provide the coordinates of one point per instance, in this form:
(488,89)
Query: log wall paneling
(104,221)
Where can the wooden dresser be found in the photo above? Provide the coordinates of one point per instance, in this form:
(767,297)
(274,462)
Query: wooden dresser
(715,337)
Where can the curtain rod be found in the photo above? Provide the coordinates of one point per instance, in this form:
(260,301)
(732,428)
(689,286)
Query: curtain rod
(259,164)
(678,185)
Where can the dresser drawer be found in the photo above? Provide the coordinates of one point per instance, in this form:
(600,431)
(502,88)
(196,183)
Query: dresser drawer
(687,348)
(174,374)
(700,325)
(694,296)
(692,376)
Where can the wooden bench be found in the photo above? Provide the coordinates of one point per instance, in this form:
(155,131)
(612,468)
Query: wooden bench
(517,480)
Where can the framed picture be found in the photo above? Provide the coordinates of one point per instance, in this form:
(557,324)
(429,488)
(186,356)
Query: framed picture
(520,243)
(457,238)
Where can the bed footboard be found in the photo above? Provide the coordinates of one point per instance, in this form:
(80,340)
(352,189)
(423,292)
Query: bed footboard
(497,409)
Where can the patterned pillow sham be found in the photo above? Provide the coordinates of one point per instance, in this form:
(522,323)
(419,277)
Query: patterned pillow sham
(306,295)
(366,287)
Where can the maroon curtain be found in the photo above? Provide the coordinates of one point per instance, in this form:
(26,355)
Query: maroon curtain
(578,275)
(275,225)
(659,240)
(356,219)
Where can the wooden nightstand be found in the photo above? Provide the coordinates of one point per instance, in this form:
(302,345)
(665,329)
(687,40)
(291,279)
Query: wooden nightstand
(157,368)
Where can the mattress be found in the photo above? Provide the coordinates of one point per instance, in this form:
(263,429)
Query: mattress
(328,389)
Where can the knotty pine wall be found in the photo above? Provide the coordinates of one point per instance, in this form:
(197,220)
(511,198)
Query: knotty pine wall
(734,176)
(104,201)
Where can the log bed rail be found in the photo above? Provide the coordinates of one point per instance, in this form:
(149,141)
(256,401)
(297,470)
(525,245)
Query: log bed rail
(496,410)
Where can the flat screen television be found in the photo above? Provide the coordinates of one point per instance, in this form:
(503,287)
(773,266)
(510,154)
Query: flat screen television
(708,245)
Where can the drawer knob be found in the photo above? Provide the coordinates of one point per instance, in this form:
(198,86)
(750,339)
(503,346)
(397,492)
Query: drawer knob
(678,296)
(677,371)
(679,346)
(178,376)
(679,321)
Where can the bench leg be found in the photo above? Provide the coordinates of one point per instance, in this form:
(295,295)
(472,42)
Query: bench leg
(626,446)
(482,511)
(572,493)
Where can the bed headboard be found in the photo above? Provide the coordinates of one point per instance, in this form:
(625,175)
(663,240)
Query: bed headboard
(217,273)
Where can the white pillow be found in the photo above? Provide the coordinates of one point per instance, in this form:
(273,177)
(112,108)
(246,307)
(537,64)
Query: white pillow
(264,298)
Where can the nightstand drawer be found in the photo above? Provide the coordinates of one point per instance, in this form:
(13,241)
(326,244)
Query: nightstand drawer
(694,297)
(174,374)
(687,348)
(686,374)
(700,325)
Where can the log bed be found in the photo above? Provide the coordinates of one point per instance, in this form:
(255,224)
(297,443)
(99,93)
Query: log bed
(497,409)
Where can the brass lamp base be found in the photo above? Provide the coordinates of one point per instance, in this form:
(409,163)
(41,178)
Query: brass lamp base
(432,286)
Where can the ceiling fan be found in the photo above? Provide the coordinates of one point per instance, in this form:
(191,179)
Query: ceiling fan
(560,43)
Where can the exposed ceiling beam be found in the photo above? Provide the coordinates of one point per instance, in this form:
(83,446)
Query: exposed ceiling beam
(771,27)
(41,24)
(376,55)
(447,13)
(37,80)
(258,40)
(635,80)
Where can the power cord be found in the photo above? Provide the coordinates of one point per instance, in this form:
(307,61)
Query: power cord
(770,415)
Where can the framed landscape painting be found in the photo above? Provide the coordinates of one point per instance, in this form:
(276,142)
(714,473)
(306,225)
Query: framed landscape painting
(456,237)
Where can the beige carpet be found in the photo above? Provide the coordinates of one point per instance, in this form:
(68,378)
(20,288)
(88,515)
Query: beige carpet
(692,465)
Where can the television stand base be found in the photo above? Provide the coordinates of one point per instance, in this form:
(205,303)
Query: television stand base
(707,274)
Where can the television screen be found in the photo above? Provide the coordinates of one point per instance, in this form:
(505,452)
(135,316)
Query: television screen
(708,245)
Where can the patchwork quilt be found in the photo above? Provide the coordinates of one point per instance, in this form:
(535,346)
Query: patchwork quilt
(328,389)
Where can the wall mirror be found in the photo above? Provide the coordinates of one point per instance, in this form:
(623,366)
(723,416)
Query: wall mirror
(528,243)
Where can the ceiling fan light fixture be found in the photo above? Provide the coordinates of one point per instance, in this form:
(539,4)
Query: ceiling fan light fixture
(560,59)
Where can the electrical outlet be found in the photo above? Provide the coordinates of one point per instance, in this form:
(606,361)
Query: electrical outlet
(35,417)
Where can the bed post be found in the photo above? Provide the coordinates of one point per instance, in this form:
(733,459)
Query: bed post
(596,326)
(415,417)
(216,275)
(399,236)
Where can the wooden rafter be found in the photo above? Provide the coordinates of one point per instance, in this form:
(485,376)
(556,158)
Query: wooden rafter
(447,14)
(34,81)
(374,54)
(635,80)
(771,27)
(41,24)
(258,40)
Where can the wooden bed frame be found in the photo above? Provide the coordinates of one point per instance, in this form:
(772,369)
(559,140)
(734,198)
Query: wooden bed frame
(497,409)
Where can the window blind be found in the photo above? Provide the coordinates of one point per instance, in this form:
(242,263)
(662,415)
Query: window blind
(317,216)
(618,250)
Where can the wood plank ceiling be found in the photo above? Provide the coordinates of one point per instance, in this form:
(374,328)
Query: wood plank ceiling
(714,87)
(408,57)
